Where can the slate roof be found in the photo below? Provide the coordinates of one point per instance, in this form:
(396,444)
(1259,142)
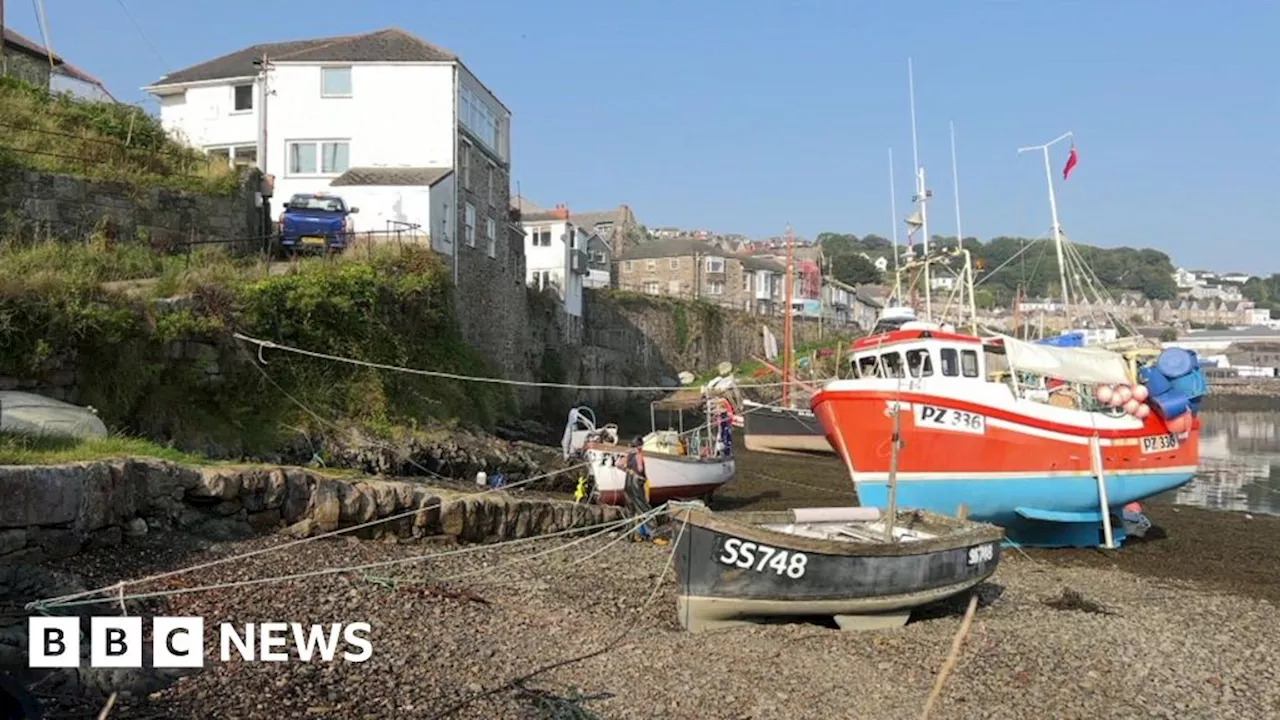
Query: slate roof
(420,176)
(389,45)
(22,43)
(672,247)
(760,263)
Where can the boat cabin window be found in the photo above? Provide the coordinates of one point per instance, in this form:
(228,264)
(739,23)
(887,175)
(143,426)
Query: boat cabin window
(969,363)
(950,362)
(892,363)
(919,363)
(867,366)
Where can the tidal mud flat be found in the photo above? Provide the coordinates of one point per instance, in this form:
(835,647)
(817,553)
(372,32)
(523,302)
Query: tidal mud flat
(1171,626)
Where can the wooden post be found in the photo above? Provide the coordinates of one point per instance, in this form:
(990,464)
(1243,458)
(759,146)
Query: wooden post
(950,662)
(1095,452)
(891,518)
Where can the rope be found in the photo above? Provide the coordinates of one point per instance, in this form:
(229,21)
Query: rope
(635,620)
(45,604)
(466,378)
(116,587)
(637,521)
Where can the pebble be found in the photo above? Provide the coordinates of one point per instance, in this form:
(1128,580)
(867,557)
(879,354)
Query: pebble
(1167,649)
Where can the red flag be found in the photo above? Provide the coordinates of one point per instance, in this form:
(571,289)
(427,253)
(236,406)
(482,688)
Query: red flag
(1071,162)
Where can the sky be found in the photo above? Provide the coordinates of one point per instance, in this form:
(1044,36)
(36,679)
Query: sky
(749,115)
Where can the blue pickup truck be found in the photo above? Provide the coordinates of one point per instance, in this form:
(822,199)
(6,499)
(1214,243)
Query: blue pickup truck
(316,220)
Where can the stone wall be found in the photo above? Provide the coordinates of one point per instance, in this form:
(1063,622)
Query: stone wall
(56,511)
(491,302)
(40,205)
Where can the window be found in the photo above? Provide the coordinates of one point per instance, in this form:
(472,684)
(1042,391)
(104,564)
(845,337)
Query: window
(242,98)
(651,265)
(541,237)
(715,287)
(491,237)
(626,266)
(333,157)
(470,223)
(892,365)
(243,155)
(464,158)
(919,363)
(335,82)
(867,366)
(746,282)
(674,263)
(950,362)
(969,363)
(715,264)
(221,153)
(652,288)
(493,197)
(477,117)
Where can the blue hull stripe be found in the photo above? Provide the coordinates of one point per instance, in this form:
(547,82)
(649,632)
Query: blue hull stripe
(996,500)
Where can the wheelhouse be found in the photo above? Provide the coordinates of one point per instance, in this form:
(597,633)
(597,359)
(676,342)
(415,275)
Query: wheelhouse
(919,352)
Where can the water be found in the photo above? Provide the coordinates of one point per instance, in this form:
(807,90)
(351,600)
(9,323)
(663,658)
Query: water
(1239,463)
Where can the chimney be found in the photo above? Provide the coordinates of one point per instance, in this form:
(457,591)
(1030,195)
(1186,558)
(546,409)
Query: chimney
(560,212)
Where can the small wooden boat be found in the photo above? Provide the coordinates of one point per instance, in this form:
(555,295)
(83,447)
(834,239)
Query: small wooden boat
(783,430)
(678,464)
(737,567)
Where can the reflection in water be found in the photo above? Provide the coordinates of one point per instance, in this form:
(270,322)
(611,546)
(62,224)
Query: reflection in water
(1239,463)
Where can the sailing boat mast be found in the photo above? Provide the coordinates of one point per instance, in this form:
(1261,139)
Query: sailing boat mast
(786,325)
(922,192)
(1053,210)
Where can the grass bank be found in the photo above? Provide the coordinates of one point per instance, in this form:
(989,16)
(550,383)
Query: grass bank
(168,369)
(45,450)
(110,141)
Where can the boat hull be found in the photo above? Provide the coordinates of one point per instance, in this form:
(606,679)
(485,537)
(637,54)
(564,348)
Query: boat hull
(789,431)
(1009,468)
(670,477)
(724,580)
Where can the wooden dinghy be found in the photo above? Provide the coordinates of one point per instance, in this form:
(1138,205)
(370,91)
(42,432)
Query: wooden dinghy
(739,567)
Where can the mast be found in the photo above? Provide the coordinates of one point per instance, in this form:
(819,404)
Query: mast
(922,192)
(786,325)
(968,260)
(893,212)
(1053,210)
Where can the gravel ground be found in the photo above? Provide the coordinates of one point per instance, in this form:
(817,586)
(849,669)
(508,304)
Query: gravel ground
(1142,647)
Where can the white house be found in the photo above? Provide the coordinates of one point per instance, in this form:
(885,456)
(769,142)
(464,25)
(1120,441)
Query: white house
(557,256)
(398,127)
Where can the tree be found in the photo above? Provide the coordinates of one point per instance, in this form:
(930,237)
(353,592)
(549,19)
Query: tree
(853,269)
(835,244)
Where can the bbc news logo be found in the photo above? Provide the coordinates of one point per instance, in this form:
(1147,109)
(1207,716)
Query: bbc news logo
(178,642)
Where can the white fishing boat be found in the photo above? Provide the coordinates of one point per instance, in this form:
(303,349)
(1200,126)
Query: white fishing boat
(678,464)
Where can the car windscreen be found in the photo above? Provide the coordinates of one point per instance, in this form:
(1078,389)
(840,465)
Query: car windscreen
(312,202)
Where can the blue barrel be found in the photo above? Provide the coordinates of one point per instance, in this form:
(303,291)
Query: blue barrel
(1176,362)
(1169,404)
(1192,384)
(1155,380)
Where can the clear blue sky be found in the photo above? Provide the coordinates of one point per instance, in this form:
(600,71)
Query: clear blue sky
(744,115)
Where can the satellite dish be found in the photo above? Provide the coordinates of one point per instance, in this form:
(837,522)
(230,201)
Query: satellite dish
(686,377)
(725,368)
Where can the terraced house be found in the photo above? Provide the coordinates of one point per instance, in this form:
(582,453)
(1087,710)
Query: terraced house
(697,270)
